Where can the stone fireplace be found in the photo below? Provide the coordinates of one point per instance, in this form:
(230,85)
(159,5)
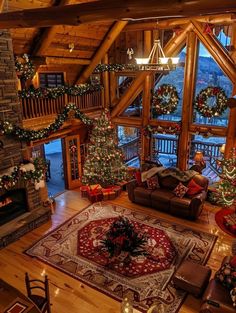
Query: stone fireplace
(21,208)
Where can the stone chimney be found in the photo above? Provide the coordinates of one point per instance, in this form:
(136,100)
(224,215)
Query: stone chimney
(11,150)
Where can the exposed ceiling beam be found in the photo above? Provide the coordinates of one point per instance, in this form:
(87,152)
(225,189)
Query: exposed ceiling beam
(217,51)
(45,36)
(102,50)
(170,23)
(113,10)
(61,61)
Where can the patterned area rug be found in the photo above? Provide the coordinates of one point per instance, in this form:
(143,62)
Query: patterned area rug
(73,248)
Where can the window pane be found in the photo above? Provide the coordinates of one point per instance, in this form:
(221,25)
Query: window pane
(210,74)
(128,141)
(164,149)
(210,148)
(175,78)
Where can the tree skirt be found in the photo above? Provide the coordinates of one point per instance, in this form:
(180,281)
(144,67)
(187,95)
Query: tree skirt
(219,217)
(74,248)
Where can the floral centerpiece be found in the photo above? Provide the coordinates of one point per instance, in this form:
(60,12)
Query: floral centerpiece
(122,237)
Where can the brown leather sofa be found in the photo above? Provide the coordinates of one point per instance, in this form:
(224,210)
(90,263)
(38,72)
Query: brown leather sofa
(216,298)
(164,199)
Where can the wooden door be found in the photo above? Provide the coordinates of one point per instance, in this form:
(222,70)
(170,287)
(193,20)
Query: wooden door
(73,161)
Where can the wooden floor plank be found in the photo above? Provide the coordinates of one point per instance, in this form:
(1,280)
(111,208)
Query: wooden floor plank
(69,295)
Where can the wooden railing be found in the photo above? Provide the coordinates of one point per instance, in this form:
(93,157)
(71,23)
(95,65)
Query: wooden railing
(39,107)
(211,151)
(130,149)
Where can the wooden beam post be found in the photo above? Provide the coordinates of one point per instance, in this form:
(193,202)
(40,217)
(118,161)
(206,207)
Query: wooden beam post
(188,94)
(113,89)
(105,80)
(104,47)
(147,43)
(217,51)
(231,130)
(145,141)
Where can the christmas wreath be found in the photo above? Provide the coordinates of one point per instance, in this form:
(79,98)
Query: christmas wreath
(203,107)
(165,100)
(24,66)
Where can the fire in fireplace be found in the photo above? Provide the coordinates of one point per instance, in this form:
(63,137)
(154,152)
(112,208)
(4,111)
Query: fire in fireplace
(13,203)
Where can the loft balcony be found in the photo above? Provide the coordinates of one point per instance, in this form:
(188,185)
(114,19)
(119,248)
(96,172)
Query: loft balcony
(40,112)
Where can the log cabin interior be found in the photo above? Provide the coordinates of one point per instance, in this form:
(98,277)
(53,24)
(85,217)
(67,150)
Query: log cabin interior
(63,63)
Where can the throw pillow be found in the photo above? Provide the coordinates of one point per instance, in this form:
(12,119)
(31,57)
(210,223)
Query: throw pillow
(193,188)
(233,261)
(233,296)
(137,176)
(226,275)
(180,190)
(153,183)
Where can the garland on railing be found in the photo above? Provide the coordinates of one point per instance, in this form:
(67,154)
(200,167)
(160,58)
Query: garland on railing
(24,66)
(173,129)
(31,172)
(8,128)
(115,68)
(53,93)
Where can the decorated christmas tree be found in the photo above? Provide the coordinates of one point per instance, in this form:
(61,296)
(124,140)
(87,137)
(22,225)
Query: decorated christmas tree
(227,185)
(104,163)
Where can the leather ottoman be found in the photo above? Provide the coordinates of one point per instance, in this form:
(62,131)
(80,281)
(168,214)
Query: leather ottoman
(192,277)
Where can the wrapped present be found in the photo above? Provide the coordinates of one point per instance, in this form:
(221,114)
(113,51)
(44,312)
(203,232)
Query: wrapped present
(96,187)
(108,193)
(95,196)
(84,191)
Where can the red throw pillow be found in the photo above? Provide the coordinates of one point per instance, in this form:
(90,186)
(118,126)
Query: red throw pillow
(233,261)
(193,188)
(137,176)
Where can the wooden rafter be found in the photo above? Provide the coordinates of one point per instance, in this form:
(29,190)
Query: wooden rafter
(112,10)
(102,50)
(217,51)
(60,61)
(171,23)
(43,40)
(173,47)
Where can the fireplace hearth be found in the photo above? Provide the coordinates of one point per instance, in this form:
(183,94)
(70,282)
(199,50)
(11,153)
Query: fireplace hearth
(12,204)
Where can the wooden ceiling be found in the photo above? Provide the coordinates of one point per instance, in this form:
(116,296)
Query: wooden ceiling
(95,20)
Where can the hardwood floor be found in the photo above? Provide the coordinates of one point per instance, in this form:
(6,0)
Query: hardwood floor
(69,295)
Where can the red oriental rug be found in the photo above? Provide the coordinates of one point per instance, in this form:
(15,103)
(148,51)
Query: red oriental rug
(73,248)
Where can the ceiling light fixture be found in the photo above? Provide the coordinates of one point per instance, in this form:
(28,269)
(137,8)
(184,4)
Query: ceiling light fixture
(157,61)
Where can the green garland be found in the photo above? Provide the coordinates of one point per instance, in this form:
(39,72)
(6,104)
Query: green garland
(19,172)
(204,109)
(173,129)
(100,68)
(53,93)
(25,68)
(27,135)
(165,100)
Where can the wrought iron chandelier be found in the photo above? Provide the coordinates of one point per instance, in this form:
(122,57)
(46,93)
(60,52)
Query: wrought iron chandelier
(157,61)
